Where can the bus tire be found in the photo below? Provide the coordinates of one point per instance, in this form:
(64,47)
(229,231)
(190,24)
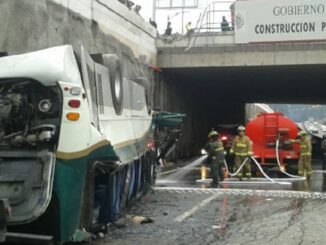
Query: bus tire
(111,61)
(153,167)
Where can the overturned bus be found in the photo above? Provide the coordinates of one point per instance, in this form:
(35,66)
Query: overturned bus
(73,142)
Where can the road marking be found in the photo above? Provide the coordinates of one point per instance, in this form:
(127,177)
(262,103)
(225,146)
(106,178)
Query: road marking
(319,171)
(245,192)
(193,210)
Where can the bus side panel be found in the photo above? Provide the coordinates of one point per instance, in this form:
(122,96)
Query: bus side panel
(68,186)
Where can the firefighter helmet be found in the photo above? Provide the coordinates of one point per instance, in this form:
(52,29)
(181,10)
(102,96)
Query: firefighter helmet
(212,133)
(241,128)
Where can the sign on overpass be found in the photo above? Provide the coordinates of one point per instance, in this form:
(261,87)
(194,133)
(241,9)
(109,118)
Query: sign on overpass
(280,20)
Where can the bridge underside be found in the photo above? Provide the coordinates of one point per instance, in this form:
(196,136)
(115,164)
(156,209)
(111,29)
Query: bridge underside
(305,84)
(216,95)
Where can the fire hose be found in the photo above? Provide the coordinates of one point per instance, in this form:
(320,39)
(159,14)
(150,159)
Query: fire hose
(261,169)
(279,164)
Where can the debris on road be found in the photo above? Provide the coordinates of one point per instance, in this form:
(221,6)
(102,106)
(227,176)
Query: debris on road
(141,220)
(215,227)
(81,236)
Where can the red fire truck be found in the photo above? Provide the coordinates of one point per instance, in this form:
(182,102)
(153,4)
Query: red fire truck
(264,131)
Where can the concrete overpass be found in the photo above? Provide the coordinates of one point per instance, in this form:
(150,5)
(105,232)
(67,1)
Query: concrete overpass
(212,77)
(216,53)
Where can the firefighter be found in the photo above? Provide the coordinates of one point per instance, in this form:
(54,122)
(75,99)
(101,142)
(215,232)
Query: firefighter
(215,151)
(304,163)
(241,148)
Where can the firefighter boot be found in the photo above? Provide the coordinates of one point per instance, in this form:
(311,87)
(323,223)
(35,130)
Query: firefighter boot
(248,175)
(239,176)
(221,172)
(215,173)
(247,168)
(308,175)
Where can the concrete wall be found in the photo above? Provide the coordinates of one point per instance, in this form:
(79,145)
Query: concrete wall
(172,96)
(177,95)
(104,26)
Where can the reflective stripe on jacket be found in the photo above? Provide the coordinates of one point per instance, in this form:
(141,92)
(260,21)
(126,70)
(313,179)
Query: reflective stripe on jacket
(215,149)
(305,147)
(241,146)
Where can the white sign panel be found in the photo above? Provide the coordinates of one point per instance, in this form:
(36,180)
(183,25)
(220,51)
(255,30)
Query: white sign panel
(280,20)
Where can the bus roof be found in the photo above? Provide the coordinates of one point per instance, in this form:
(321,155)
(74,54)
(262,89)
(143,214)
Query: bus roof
(46,66)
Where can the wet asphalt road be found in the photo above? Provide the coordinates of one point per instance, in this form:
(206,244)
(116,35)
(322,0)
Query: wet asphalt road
(184,211)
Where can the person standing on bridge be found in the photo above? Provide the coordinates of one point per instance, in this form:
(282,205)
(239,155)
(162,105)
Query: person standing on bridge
(241,148)
(224,24)
(137,9)
(168,30)
(304,163)
(189,29)
(215,151)
(153,23)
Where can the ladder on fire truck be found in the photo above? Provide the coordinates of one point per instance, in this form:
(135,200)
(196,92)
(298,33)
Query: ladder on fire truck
(271,128)
(273,132)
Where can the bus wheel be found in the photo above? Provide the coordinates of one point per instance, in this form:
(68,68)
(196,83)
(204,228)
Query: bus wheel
(151,164)
(111,61)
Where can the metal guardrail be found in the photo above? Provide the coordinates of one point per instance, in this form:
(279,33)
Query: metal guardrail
(210,21)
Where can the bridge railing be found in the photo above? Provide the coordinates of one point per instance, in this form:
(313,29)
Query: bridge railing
(209,26)
(213,20)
